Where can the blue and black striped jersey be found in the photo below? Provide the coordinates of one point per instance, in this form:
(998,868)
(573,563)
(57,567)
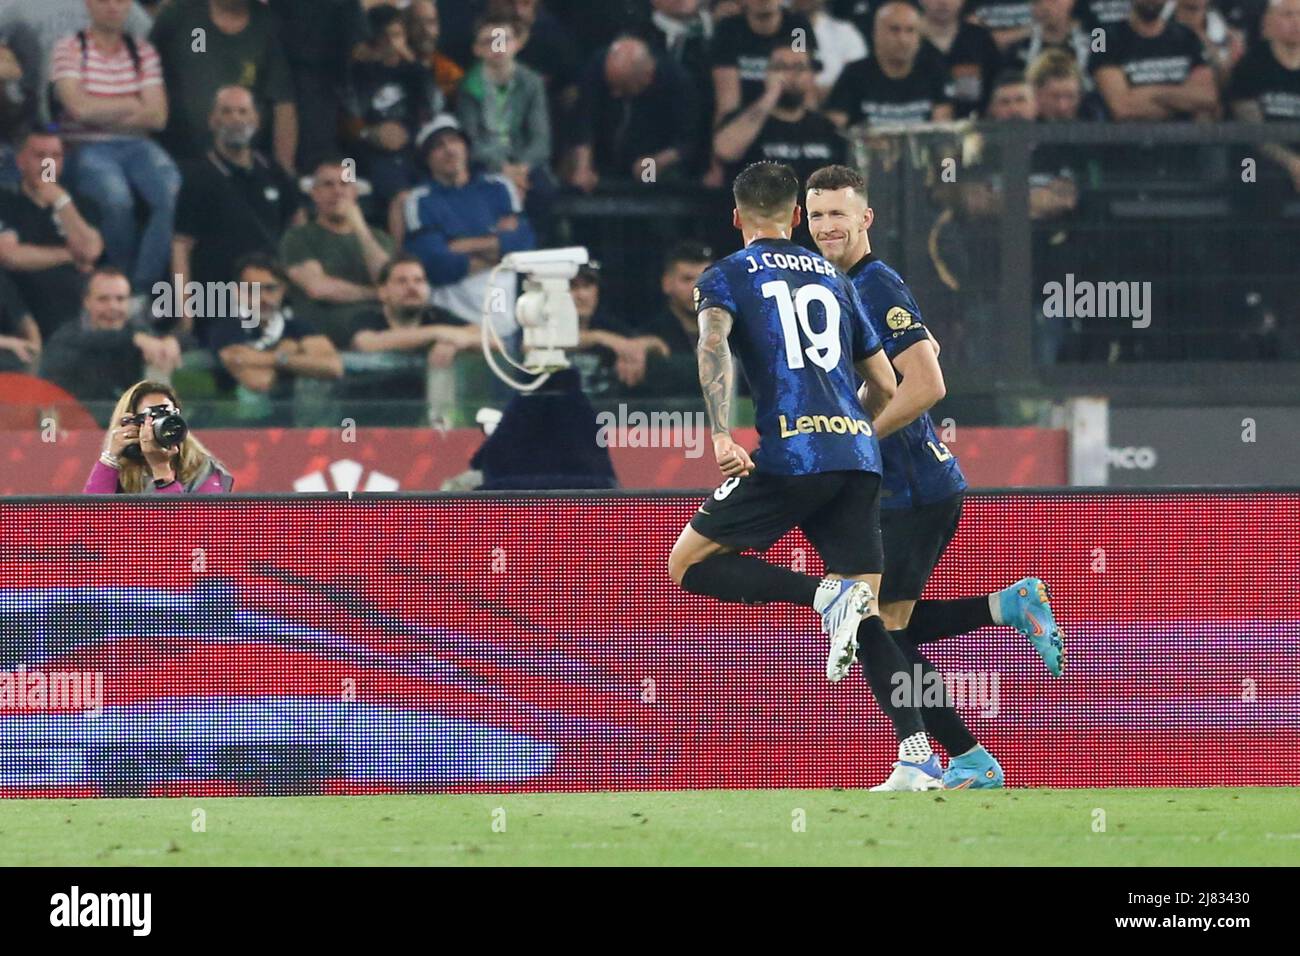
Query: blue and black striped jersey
(919,469)
(799,328)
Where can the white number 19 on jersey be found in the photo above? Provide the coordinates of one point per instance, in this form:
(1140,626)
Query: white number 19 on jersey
(824,350)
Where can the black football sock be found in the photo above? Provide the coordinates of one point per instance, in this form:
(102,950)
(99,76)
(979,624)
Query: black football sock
(881,659)
(743,579)
(943,723)
(932,620)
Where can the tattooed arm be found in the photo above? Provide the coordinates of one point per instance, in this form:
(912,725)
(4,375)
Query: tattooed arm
(716,381)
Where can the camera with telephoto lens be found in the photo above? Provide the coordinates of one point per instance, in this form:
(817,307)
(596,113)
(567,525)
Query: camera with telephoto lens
(169,429)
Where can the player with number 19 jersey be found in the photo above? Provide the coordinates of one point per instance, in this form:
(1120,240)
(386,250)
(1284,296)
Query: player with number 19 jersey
(800,327)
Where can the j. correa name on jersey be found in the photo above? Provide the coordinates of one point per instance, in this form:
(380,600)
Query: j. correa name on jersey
(798,329)
(919,469)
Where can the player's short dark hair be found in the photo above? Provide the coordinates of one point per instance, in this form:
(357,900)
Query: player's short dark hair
(687,251)
(263,261)
(402,258)
(766,188)
(837,177)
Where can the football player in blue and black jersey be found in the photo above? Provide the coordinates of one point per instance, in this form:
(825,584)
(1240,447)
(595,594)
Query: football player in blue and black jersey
(799,331)
(923,488)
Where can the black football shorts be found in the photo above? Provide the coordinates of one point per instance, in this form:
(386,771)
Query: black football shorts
(915,539)
(838,512)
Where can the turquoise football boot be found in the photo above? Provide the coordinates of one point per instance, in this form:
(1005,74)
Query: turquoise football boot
(1025,607)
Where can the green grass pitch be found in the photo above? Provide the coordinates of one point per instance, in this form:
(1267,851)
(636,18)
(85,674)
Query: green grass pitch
(713,827)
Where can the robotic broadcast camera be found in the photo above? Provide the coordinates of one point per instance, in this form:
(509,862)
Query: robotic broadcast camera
(544,310)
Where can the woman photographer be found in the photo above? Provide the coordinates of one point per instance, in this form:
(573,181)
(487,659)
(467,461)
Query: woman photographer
(135,460)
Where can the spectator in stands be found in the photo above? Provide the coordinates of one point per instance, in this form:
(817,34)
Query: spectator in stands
(1058,86)
(46,236)
(405,322)
(1054,28)
(1266,88)
(675,324)
(780,125)
(97,357)
(1222,44)
(335,258)
(1052,191)
(20,338)
(682,31)
(545,45)
(894,84)
(133,462)
(1012,99)
(268,354)
(1095,14)
(234,201)
(391,96)
(502,109)
(1153,70)
(318,38)
(460,225)
(1007,20)
(637,118)
(741,46)
(609,352)
(110,96)
(838,43)
(32,27)
(1245,16)
(978,201)
(17,100)
(1266,84)
(969,54)
(423,29)
(240,45)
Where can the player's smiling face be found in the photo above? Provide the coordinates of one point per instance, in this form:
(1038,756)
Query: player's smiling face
(837,218)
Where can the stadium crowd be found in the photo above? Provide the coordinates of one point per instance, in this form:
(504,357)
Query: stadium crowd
(368,163)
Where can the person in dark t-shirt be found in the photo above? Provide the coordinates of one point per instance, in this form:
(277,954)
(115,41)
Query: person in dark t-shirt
(635,107)
(741,46)
(1153,70)
(897,83)
(1101,13)
(611,357)
(242,45)
(1007,20)
(391,95)
(48,239)
(676,322)
(233,202)
(969,54)
(265,349)
(1054,28)
(779,126)
(404,322)
(1265,86)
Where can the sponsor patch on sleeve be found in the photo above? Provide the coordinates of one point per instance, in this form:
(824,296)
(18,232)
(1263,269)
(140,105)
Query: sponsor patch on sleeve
(898,318)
